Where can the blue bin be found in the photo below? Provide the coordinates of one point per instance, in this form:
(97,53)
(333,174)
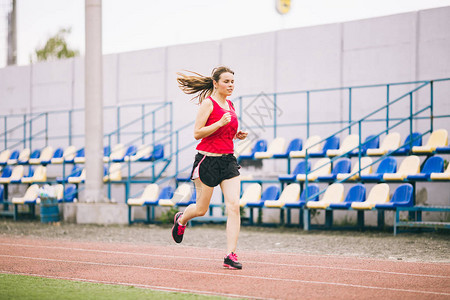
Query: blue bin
(49,210)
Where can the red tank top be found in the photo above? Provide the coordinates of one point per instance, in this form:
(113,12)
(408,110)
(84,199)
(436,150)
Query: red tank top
(221,141)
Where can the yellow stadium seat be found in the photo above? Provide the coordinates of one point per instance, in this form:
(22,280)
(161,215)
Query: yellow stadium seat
(31,195)
(24,156)
(321,167)
(117,152)
(350,142)
(312,140)
(333,194)
(182,193)
(114,174)
(46,155)
(441,176)
(438,138)
(378,194)
(409,166)
(277,146)
(143,151)
(40,175)
(4,156)
(243,147)
(251,194)
(390,142)
(68,155)
(150,193)
(290,194)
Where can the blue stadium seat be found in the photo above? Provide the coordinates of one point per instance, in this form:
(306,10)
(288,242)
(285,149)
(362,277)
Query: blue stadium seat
(13,157)
(294,145)
(34,155)
(166,193)
(260,146)
(357,193)
(6,172)
(106,151)
(387,165)
(70,194)
(343,165)
(371,142)
(75,172)
(434,164)
(299,169)
(58,152)
(79,156)
(312,189)
(331,143)
(405,148)
(1,193)
(270,193)
(443,150)
(403,196)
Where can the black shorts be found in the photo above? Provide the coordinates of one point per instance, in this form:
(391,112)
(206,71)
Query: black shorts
(212,170)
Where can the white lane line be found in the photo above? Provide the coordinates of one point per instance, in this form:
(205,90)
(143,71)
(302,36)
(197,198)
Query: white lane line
(244,261)
(234,275)
(137,285)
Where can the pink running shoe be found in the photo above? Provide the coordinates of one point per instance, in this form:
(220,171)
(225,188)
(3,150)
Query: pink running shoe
(231,262)
(177,229)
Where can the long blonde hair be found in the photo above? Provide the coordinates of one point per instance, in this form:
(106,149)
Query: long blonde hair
(201,85)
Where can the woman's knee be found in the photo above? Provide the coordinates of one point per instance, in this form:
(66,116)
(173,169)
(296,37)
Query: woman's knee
(201,211)
(233,207)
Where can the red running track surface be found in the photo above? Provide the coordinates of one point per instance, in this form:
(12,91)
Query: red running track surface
(265,275)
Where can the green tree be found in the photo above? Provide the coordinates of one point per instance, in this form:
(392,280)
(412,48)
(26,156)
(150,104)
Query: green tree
(56,47)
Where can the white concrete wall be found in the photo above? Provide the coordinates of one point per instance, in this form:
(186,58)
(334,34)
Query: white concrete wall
(399,48)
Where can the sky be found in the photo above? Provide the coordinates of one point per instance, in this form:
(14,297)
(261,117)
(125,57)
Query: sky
(142,24)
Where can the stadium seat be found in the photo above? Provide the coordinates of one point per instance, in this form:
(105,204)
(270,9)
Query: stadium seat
(131,150)
(277,146)
(16,175)
(156,153)
(434,164)
(321,167)
(270,193)
(6,172)
(416,140)
(189,201)
(409,166)
(24,156)
(403,196)
(443,150)
(379,194)
(67,156)
(366,168)
(78,177)
(260,146)
(4,156)
(299,169)
(390,142)
(70,194)
(182,193)
(349,144)
(12,160)
(313,189)
(333,194)
(332,143)
(251,194)
(2,194)
(76,171)
(114,173)
(117,152)
(39,175)
(342,166)
(438,138)
(441,176)
(312,144)
(387,165)
(356,193)
(79,157)
(290,194)
(149,194)
(371,142)
(142,151)
(30,197)
(294,145)
(44,158)
(58,153)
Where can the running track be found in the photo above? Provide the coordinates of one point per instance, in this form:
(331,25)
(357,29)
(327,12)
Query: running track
(266,275)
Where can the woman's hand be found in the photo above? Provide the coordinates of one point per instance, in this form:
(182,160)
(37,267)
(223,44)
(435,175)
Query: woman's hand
(226,118)
(241,135)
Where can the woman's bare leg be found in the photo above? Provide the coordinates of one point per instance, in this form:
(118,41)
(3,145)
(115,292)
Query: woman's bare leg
(201,206)
(231,189)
